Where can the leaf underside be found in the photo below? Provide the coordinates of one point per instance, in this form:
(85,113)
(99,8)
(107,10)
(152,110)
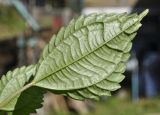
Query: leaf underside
(12,82)
(85,60)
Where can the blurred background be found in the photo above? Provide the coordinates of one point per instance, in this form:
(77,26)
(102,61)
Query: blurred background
(26,26)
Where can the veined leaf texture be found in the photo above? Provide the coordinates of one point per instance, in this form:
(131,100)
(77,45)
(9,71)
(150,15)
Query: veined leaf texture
(85,60)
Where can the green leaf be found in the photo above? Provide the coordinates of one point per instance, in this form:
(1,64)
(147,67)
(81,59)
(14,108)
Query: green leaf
(11,85)
(29,101)
(84,58)
(103,88)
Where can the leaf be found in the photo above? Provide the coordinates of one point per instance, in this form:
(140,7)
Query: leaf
(85,56)
(29,101)
(85,60)
(103,88)
(12,83)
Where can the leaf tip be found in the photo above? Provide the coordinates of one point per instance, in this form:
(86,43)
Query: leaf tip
(143,14)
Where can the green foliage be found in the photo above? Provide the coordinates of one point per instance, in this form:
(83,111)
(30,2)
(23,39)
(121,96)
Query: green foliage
(11,85)
(29,101)
(85,60)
